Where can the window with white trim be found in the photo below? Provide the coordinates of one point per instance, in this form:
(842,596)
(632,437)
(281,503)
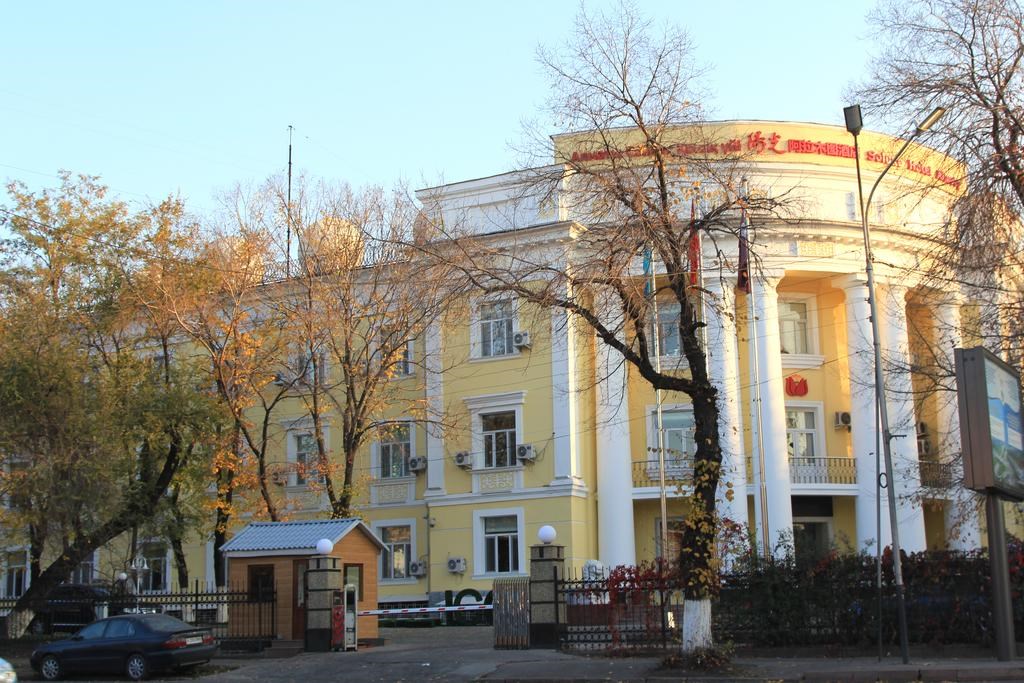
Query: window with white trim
(306,364)
(403,364)
(669,341)
(305,457)
(680,444)
(156,578)
(499,438)
(84,572)
(794,333)
(397,551)
(501,544)
(802,432)
(495,327)
(394,447)
(15,573)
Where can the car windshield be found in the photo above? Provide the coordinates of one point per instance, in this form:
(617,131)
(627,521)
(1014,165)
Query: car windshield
(161,623)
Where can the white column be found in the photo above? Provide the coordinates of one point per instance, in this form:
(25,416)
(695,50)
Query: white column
(723,369)
(433,379)
(863,424)
(615,537)
(564,409)
(772,425)
(961,510)
(902,419)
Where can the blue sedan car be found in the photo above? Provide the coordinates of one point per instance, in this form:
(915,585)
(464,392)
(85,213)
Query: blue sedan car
(135,645)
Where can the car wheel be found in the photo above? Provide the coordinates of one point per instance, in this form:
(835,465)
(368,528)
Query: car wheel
(136,667)
(50,668)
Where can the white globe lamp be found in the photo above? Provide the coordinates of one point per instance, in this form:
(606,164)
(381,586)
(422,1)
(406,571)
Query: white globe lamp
(324,546)
(546,534)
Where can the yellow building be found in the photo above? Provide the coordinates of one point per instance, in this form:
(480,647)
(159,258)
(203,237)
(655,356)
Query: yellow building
(552,430)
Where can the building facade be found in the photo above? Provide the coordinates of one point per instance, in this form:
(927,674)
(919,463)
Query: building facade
(551,428)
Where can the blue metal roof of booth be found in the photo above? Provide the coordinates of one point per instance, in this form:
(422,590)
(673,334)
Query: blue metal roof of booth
(293,538)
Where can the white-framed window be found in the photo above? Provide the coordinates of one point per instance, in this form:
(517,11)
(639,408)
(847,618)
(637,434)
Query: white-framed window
(496,425)
(669,341)
(499,438)
(804,432)
(85,572)
(306,365)
(493,326)
(798,331)
(678,425)
(157,577)
(305,458)
(397,553)
(404,364)
(394,448)
(497,540)
(15,573)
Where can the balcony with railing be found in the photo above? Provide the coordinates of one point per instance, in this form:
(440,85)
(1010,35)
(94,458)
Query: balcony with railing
(936,475)
(678,473)
(826,471)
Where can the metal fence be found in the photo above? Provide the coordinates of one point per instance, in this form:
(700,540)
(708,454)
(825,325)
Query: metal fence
(599,614)
(236,616)
(511,613)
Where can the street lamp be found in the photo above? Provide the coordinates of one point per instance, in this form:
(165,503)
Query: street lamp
(854,124)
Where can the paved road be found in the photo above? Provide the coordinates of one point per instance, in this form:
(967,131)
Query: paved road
(467,654)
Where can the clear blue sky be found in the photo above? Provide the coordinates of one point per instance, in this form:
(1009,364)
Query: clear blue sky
(193,97)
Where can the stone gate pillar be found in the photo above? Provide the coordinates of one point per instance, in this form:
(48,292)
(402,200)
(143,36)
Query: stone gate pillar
(547,566)
(323,577)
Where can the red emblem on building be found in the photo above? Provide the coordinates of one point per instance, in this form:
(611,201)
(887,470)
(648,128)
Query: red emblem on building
(796,386)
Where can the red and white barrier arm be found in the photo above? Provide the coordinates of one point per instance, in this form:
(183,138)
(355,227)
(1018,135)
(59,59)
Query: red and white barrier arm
(421,610)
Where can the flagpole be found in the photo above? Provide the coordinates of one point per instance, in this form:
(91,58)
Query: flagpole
(659,426)
(755,370)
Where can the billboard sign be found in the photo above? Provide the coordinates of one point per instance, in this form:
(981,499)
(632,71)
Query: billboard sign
(991,430)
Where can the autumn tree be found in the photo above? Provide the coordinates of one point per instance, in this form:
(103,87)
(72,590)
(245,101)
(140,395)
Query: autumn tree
(624,92)
(353,313)
(100,416)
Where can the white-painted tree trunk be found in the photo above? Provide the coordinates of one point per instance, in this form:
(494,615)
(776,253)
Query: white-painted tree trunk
(696,624)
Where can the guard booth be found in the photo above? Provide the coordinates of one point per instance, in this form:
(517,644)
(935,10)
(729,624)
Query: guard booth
(275,556)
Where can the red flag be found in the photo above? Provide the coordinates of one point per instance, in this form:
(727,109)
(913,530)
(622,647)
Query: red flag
(693,251)
(743,274)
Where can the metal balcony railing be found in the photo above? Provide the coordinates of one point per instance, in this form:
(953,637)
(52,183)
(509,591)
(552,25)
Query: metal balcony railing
(936,475)
(822,471)
(677,472)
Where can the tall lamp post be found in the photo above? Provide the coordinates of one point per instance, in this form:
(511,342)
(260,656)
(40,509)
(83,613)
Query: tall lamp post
(854,124)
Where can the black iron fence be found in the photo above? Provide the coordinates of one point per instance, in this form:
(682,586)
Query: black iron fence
(236,616)
(631,609)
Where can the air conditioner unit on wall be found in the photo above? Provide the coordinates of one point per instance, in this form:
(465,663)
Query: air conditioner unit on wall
(279,477)
(417,464)
(457,565)
(464,460)
(521,340)
(525,452)
(843,420)
(417,568)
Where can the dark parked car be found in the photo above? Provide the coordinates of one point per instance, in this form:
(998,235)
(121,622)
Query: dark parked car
(134,644)
(69,607)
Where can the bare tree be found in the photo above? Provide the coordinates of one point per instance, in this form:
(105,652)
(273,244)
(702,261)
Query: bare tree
(358,307)
(622,176)
(966,56)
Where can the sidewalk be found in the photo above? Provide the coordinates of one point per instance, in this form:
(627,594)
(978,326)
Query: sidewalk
(467,654)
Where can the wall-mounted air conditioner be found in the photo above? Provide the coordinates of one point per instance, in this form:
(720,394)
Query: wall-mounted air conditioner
(521,340)
(843,420)
(457,565)
(417,464)
(464,460)
(417,568)
(525,452)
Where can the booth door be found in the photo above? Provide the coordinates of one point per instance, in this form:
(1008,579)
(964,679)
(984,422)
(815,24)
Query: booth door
(299,599)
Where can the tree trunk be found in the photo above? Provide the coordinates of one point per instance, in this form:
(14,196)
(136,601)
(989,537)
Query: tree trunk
(696,624)
(180,563)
